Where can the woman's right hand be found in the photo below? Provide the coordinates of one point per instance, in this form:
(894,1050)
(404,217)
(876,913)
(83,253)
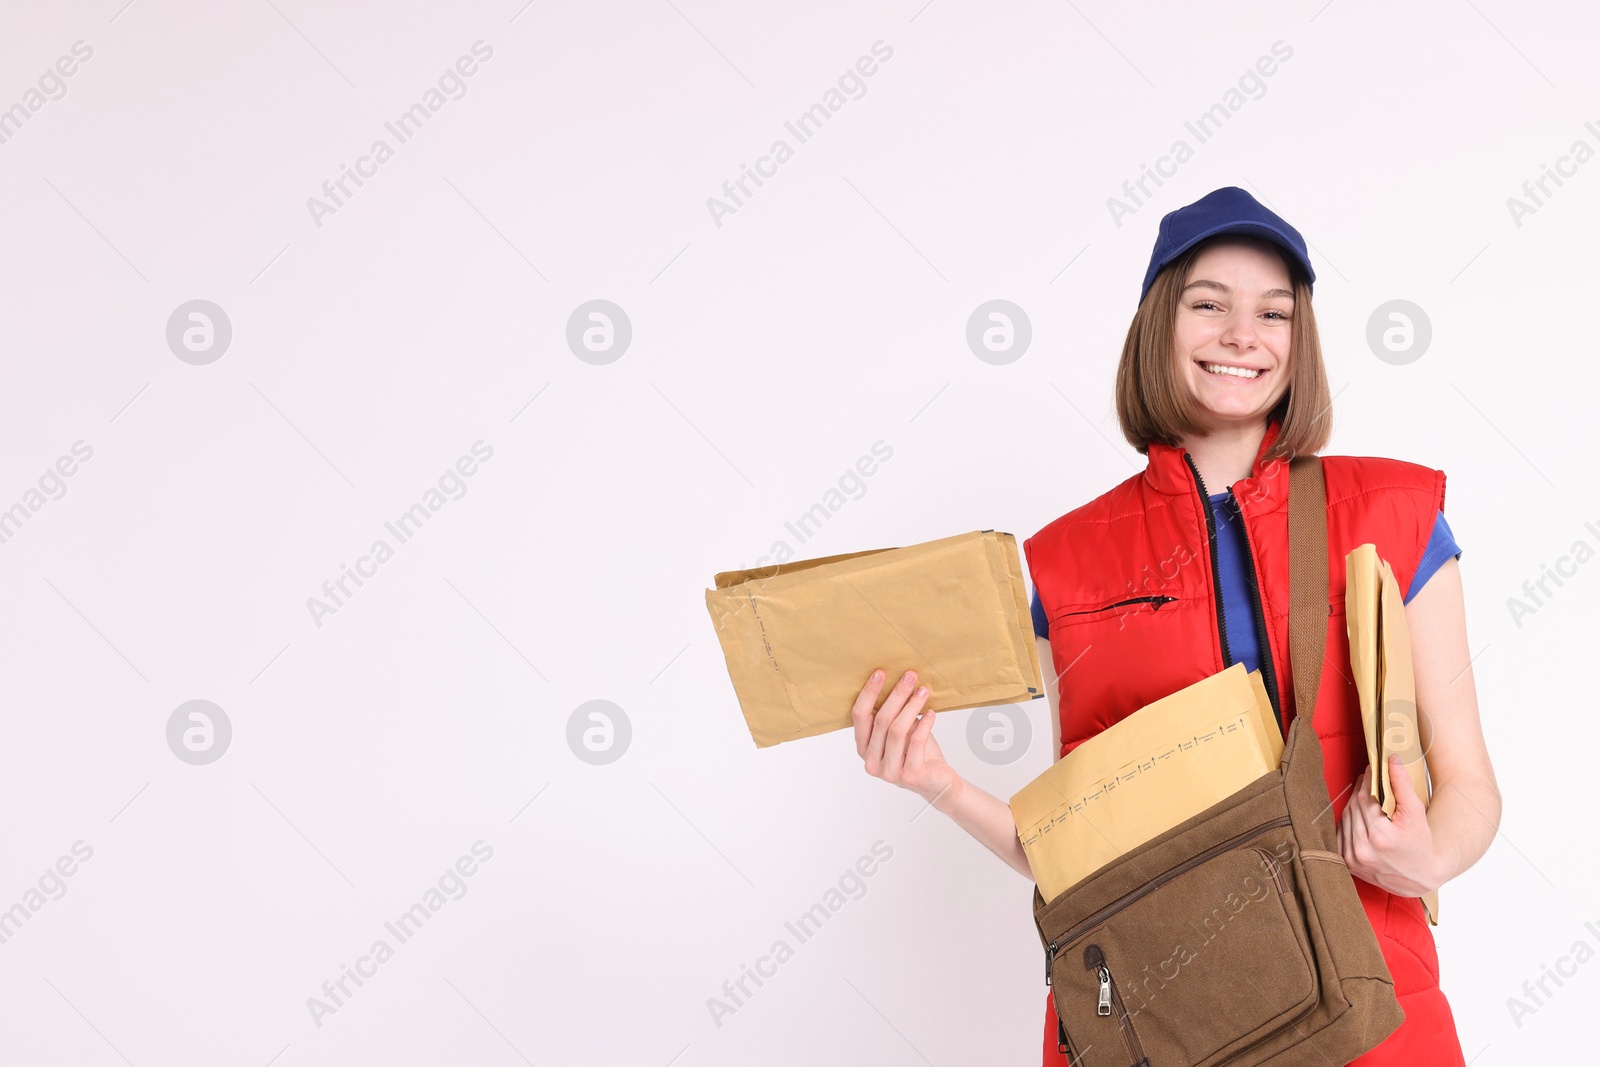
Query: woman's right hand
(895,741)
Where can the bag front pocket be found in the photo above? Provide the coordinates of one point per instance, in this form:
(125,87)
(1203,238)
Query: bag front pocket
(1197,965)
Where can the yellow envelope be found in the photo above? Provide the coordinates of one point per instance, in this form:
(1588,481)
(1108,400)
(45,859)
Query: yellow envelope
(1380,658)
(800,638)
(1165,763)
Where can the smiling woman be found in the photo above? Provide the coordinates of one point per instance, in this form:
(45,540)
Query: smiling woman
(451,85)
(1184,569)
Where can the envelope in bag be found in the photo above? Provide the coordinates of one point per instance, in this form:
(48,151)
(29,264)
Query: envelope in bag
(1145,774)
(1380,658)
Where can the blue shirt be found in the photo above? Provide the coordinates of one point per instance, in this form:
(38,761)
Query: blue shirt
(1233,561)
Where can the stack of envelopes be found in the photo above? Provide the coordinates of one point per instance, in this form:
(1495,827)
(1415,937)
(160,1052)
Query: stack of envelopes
(1380,657)
(801,638)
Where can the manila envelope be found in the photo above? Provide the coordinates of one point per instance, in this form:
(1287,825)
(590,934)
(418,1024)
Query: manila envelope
(1380,658)
(801,638)
(1145,774)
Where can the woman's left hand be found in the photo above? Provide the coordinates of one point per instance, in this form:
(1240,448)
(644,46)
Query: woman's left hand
(1395,852)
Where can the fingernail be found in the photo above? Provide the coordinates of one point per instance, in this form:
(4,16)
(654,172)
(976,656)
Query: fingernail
(922,691)
(877,676)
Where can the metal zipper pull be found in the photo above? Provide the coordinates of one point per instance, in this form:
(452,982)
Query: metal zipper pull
(1049,961)
(1094,959)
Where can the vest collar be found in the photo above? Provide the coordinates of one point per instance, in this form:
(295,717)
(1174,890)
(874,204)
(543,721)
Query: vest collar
(1167,471)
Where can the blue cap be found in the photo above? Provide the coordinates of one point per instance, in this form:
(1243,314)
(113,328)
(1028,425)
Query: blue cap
(1227,210)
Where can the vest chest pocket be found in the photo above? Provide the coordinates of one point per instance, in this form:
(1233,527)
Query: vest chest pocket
(1121,654)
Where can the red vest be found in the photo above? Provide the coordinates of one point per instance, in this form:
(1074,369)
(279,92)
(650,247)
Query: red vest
(1127,582)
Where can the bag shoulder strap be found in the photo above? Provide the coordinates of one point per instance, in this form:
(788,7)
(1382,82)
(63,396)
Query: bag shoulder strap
(1309,606)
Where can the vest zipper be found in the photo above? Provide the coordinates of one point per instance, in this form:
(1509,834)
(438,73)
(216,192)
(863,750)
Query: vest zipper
(1216,571)
(1268,674)
(1111,1000)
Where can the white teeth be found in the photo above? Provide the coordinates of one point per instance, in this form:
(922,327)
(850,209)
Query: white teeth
(1237,372)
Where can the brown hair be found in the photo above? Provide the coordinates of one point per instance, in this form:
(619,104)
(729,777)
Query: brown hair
(1153,404)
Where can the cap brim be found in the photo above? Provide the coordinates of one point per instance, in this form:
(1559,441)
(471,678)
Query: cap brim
(1247,229)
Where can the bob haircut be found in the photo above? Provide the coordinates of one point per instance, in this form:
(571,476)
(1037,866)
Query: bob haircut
(1154,404)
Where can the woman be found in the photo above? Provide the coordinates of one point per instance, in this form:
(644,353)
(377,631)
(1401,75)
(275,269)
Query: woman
(1161,582)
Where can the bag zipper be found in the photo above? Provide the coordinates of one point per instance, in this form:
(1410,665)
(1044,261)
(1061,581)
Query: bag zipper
(1268,674)
(1157,601)
(1275,869)
(1064,1044)
(1111,999)
(1084,926)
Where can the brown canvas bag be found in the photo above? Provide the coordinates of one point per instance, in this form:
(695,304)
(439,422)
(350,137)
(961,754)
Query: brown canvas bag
(1235,938)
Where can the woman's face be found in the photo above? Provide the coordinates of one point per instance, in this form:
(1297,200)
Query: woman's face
(1235,312)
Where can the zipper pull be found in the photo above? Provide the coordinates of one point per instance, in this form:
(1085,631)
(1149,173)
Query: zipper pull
(1049,961)
(1094,959)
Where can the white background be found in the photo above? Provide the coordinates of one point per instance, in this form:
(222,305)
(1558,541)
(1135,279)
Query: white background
(768,354)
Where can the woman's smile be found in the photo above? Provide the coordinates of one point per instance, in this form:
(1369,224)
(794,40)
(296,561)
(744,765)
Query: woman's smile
(1239,372)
